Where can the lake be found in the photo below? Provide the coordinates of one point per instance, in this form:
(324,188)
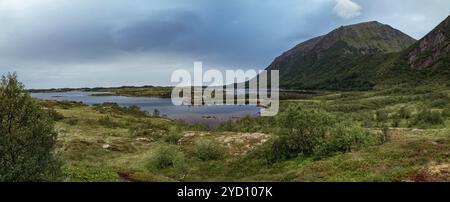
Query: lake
(211,115)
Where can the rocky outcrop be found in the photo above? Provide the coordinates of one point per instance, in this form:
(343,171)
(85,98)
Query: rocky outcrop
(434,47)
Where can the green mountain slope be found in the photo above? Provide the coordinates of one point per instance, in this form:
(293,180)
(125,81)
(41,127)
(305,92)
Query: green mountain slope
(346,58)
(432,51)
(427,61)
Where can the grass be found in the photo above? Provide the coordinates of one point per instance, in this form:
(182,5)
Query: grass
(142,91)
(106,143)
(145,91)
(399,160)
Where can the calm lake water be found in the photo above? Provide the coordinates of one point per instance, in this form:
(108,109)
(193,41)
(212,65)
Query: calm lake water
(211,115)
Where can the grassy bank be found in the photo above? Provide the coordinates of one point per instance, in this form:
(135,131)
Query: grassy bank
(143,91)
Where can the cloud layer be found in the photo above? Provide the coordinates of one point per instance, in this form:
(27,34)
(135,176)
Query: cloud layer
(53,43)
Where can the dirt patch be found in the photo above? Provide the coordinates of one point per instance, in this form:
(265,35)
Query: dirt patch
(119,146)
(236,143)
(126,177)
(436,173)
(242,143)
(356,156)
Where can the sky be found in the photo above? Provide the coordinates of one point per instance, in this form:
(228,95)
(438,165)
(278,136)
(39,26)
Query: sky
(85,43)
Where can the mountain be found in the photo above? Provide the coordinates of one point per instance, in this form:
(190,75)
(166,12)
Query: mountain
(432,51)
(346,58)
(426,61)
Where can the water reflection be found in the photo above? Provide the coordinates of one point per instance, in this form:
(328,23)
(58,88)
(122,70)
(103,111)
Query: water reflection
(211,115)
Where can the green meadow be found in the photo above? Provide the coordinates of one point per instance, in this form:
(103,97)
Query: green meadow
(397,134)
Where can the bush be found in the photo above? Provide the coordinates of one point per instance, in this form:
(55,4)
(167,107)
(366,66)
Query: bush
(152,134)
(381,117)
(56,116)
(446,112)
(404,113)
(172,137)
(208,150)
(169,159)
(167,156)
(428,117)
(248,124)
(27,136)
(106,121)
(303,129)
(116,108)
(395,122)
(344,138)
(313,133)
(274,150)
(367,123)
(71,121)
(384,136)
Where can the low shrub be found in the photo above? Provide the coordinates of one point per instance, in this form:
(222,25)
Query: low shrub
(208,150)
(367,123)
(167,156)
(428,117)
(345,137)
(71,121)
(446,112)
(152,134)
(384,136)
(248,124)
(56,116)
(381,117)
(395,122)
(404,113)
(168,159)
(172,137)
(313,133)
(116,108)
(108,122)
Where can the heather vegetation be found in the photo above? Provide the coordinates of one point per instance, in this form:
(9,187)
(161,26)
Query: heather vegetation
(385,135)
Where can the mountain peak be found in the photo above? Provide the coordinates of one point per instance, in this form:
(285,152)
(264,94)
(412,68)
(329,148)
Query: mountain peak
(371,37)
(365,24)
(315,62)
(362,38)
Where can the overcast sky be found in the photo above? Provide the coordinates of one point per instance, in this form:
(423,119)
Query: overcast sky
(86,43)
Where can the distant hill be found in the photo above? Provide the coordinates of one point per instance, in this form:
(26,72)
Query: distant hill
(346,58)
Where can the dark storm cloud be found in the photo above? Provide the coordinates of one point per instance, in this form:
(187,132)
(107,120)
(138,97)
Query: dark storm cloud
(156,33)
(64,45)
(55,43)
(224,33)
(53,33)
